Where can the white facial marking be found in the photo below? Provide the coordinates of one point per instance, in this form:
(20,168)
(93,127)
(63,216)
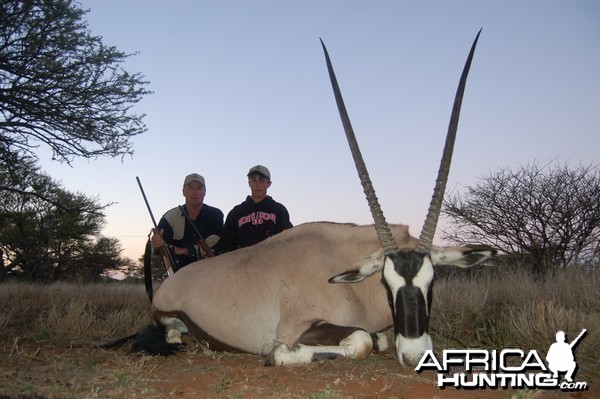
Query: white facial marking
(394,280)
(424,277)
(410,350)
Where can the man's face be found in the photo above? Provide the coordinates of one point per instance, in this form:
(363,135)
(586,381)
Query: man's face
(259,185)
(194,193)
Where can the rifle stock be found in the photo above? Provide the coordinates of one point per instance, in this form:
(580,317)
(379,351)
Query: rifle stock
(202,245)
(206,250)
(167,257)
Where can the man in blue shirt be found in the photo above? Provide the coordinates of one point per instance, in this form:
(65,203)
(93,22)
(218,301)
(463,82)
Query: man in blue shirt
(176,230)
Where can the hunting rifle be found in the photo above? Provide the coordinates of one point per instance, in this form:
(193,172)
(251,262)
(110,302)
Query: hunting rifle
(203,247)
(168,259)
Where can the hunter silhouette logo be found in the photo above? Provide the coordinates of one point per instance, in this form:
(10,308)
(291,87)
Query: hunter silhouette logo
(506,368)
(560,355)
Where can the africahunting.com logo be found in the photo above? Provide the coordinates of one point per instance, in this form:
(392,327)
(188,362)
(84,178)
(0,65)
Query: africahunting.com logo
(507,368)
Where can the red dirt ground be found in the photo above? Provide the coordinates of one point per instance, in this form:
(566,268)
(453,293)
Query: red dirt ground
(91,372)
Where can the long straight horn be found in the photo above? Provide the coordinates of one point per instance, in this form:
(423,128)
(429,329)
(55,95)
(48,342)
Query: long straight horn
(383,230)
(433,214)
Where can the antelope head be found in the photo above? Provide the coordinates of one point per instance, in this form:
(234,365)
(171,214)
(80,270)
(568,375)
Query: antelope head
(408,275)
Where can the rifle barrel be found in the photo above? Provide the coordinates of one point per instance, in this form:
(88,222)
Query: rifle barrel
(168,259)
(146,201)
(576,340)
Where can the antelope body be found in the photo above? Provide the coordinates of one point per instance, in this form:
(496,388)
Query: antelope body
(320,290)
(268,298)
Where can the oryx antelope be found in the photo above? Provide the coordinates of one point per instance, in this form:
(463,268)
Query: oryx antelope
(315,291)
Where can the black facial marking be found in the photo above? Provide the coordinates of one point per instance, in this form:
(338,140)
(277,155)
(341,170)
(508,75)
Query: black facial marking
(412,318)
(407,264)
(411,311)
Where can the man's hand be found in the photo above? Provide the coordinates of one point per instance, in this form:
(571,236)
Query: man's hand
(157,241)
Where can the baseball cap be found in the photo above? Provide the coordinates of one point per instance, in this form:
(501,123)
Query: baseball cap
(261,170)
(194,177)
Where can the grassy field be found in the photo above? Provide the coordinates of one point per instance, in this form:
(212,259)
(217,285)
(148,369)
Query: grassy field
(49,336)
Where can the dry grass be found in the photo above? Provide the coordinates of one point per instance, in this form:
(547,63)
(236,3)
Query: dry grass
(510,309)
(48,338)
(71,312)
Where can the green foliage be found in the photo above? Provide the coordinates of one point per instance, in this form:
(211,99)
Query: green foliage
(61,86)
(48,233)
(326,393)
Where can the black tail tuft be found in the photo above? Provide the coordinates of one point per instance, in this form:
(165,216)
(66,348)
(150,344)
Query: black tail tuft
(152,340)
(118,342)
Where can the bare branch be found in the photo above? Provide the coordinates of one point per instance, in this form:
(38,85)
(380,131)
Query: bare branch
(549,212)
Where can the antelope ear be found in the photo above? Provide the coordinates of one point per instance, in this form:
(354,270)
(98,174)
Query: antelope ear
(464,257)
(361,270)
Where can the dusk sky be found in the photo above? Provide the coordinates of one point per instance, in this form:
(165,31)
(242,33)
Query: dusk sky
(240,83)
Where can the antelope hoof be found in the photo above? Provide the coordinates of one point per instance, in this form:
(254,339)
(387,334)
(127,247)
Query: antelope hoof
(174,336)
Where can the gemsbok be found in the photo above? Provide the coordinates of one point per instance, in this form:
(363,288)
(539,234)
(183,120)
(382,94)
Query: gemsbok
(315,291)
